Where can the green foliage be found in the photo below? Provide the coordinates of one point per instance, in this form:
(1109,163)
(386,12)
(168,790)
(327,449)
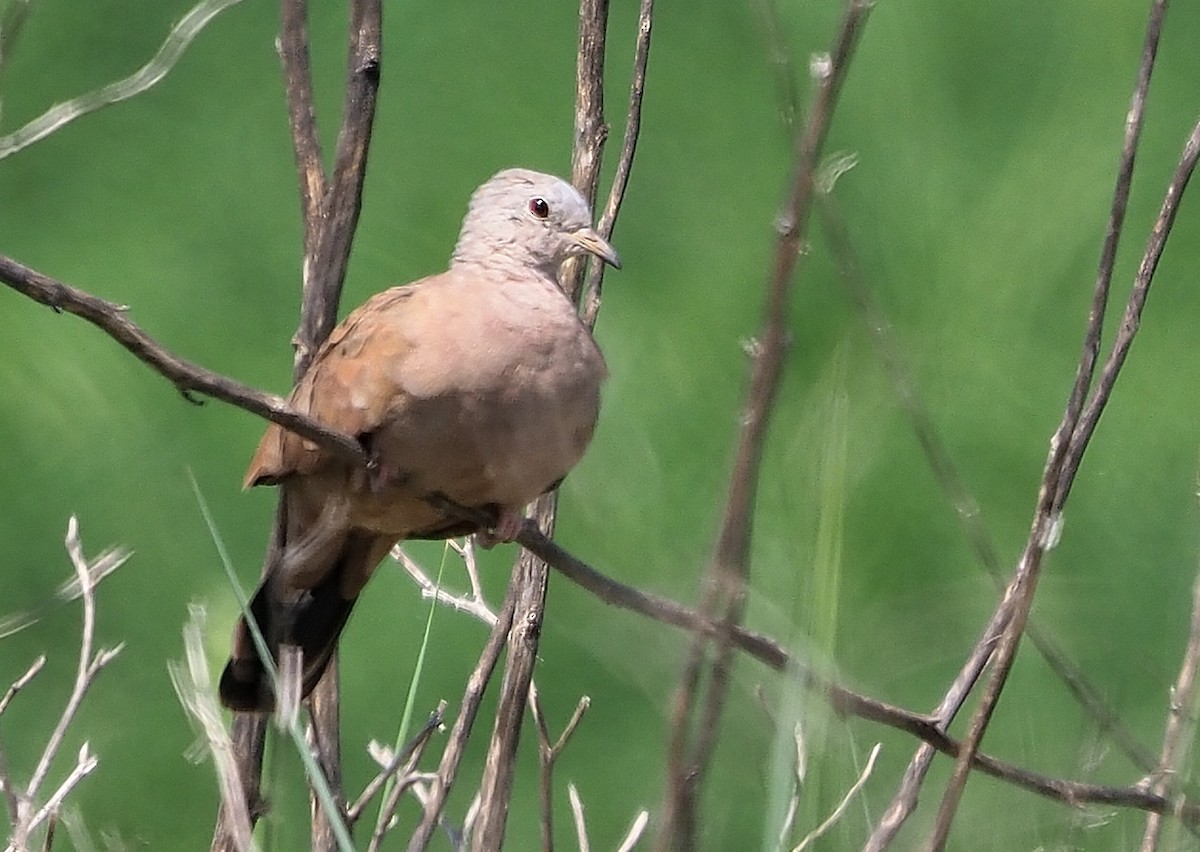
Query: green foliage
(987,138)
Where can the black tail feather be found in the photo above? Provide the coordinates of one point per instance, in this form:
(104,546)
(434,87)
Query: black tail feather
(313,623)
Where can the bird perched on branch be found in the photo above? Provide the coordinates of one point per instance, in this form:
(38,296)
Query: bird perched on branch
(479,385)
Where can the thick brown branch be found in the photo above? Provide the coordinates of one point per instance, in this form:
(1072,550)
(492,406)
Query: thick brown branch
(293,51)
(113,319)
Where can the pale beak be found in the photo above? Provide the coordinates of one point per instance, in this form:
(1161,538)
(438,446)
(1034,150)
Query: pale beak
(593,243)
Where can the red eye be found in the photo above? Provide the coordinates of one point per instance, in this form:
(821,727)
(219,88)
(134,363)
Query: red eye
(538,207)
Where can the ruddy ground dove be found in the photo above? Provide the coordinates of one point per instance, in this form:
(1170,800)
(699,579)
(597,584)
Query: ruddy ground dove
(479,384)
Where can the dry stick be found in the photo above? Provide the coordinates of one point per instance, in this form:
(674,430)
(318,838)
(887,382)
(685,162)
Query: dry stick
(188,378)
(956,491)
(1181,725)
(633,125)
(89,666)
(452,756)
(530,579)
(413,748)
(532,574)
(728,571)
(548,753)
(947,476)
(965,505)
(1077,427)
(1020,593)
(330,208)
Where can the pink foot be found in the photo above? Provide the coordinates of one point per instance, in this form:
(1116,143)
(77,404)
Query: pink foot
(508,527)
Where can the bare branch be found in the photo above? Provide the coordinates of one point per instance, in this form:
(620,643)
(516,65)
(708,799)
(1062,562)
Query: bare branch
(548,753)
(453,753)
(635,832)
(581,834)
(112,319)
(22,805)
(398,763)
(85,762)
(194,688)
(1071,438)
(840,810)
(144,78)
(21,682)
(1181,725)
(728,572)
(633,125)
(88,668)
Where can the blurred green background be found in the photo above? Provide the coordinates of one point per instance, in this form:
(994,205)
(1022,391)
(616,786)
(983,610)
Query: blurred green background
(987,137)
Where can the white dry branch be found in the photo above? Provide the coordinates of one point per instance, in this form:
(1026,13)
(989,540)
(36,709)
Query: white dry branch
(25,813)
(193,685)
(473,603)
(840,810)
(173,47)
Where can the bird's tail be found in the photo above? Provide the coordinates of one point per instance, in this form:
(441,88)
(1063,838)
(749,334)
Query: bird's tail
(310,618)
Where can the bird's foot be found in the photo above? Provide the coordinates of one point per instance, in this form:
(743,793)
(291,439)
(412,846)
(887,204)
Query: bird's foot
(508,527)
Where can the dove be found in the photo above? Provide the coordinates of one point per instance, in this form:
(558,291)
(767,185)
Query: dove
(479,385)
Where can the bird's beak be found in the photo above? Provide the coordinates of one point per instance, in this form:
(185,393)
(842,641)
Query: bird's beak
(593,243)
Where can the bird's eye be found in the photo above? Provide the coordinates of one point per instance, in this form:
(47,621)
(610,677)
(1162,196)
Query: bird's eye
(538,207)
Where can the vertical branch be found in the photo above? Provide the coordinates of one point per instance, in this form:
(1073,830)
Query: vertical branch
(633,126)
(530,580)
(452,756)
(330,208)
(728,571)
(532,574)
(1077,426)
(1181,725)
(294,54)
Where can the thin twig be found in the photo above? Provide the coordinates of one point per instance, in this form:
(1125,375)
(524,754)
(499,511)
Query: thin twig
(581,834)
(1071,438)
(413,747)
(21,682)
(85,762)
(455,746)
(88,667)
(1181,725)
(148,75)
(633,124)
(840,810)
(548,753)
(635,832)
(689,751)
(473,603)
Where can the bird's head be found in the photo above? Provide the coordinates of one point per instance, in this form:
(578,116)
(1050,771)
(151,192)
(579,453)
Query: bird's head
(521,217)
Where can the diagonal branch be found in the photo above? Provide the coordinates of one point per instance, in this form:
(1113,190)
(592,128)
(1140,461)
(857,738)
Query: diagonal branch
(728,571)
(113,319)
(1078,424)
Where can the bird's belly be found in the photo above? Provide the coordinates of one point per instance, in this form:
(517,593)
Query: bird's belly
(483,448)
